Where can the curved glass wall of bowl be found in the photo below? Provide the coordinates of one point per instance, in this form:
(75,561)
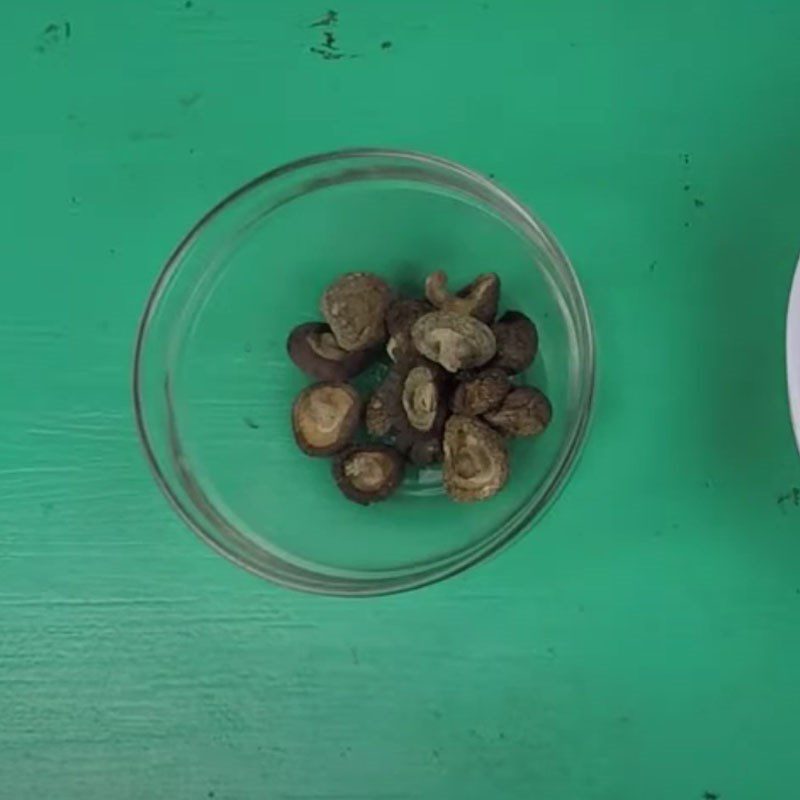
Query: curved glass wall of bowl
(213,385)
(793,354)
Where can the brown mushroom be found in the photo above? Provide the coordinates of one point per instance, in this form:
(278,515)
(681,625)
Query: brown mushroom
(325,417)
(355,308)
(422,413)
(524,412)
(312,346)
(411,405)
(367,473)
(384,404)
(517,342)
(453,340)
(478,299)
(400,318)
(475,460)
(481,392)
(422,398)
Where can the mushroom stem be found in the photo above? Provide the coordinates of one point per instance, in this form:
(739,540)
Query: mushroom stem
(479,299)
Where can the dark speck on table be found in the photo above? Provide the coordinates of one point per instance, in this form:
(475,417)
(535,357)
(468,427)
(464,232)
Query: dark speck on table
(792,496)
(330,18)
(53,34)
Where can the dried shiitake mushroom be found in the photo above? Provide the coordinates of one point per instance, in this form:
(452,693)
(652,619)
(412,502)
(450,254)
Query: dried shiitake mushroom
(400,318)
(524,412)
(448,397)
(481,392)
(479,299)
(422,396)
(475,459)
(423,410)
(367,473)
(383,405)
(355,308)
(312,346)
(325,418)
(453,340)
(411,405)
(517,342)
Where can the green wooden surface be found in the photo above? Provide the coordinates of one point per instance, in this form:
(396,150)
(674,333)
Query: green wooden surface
(643,642)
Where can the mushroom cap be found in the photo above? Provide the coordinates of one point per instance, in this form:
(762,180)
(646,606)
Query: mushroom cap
(383,405)
(453,340)
(325,417)
(475,459)
(355,307)
(368,473)
(481,392)
(423,400)
(313,348)
(524,412)
(517,342)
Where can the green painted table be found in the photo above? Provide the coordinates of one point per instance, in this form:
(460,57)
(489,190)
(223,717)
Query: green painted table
(643,642)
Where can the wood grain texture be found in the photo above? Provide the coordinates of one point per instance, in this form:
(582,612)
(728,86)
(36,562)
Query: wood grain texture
(642,643)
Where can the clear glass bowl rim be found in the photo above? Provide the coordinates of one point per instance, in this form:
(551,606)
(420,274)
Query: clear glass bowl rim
(372,586)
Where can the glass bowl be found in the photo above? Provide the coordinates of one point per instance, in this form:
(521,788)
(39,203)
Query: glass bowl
(213,386)
(793,353)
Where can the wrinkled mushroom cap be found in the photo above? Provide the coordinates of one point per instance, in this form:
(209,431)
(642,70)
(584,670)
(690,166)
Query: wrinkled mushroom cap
(453,340)
(475,460)
(524,412)
(355,308)
(313,348)
(479,299)
(517,342)
(325,418)
(384,404)
(368,473)
(481,392)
